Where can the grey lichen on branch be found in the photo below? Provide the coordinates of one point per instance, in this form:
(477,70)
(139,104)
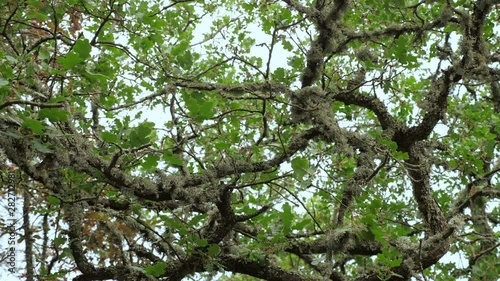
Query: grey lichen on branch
(305,101)
(326,21)
(312,106)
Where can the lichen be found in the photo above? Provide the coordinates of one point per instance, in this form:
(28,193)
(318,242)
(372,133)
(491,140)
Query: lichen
(365,54)
(457,222)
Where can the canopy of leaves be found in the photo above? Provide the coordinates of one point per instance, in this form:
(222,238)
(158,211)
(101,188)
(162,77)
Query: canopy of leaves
(245,140)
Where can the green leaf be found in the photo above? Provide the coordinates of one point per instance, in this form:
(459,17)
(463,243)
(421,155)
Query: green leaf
(202,242)
(141,134)
(200,108)
(301,224)
(279,74)
(213,250)
(395,262)
(196,219)
(390,144)
(171,158)
(248,7)
(81,51)
(109,137)
(35,126)
(70,60)
(58,241)
(260,258)
(96,78)
(287,218)
(400,155)
(179,48)
(54,114)
(286,15)
(186,60)
(150,162)
(366,235)
(156,270)
(137,209)
(300,166)
(287,45)
(82,48)
(44,54)
(53,200)
(222,145)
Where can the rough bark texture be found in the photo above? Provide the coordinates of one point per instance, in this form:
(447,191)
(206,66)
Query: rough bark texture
(223,196)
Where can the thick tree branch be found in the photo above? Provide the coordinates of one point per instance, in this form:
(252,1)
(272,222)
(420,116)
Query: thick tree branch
(261,270)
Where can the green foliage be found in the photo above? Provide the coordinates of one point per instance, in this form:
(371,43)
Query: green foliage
(300,166)
(53,200)
(287,218)
(141,134)
(157,269)
(256,139)
(35,126)
(54,114)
